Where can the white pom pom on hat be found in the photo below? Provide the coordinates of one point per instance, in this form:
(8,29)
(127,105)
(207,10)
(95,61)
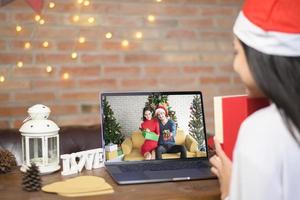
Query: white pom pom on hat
(270,26)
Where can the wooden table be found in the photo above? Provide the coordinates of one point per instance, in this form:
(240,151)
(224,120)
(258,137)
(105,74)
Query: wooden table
(10,188)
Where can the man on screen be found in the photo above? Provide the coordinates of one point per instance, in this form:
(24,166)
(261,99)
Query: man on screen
(166,141)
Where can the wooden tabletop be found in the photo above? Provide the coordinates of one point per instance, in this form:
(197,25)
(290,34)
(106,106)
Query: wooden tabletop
(10,188)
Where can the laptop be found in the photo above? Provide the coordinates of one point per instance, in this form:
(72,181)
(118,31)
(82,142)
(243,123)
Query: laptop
(123,119)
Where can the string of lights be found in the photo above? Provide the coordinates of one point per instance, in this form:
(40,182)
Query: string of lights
(81,39)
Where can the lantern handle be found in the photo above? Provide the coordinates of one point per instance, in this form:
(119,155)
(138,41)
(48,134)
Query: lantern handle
(27,119)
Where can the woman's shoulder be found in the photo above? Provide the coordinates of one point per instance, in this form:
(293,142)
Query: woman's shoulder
(150,121)
(265,118)
(263,128)
(155,120)
(263,121)
(264,137)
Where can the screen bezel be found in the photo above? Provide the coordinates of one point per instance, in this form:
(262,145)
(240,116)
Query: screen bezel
(105,94)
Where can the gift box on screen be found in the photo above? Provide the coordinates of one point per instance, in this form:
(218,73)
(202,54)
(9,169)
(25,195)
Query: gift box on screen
(111,155)
(150,136)
(111,147)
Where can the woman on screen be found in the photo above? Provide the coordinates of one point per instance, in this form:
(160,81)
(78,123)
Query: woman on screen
(149,126)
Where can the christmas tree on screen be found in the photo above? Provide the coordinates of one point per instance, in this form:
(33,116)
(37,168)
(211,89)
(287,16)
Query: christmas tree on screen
(112,128)
(196,128)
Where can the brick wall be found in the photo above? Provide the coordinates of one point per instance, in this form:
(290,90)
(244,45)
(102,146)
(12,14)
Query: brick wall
(187,47)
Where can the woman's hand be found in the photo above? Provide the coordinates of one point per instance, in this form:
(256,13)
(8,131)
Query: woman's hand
(221,167)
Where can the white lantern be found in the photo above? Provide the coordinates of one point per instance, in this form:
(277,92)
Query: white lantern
(40,140)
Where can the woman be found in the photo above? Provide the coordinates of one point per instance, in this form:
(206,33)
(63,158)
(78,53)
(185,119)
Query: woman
(266,159)
(150,125)
(167,135)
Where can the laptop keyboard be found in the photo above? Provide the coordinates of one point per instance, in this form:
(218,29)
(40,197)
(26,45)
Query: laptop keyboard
(163,166)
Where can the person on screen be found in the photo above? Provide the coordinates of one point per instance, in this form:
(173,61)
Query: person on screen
(149,124)
(166,141)
(266,157)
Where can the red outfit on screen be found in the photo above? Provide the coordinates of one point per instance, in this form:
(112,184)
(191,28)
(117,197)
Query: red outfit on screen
(153,126)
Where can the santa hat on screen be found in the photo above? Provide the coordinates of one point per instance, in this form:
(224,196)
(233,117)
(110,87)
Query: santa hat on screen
(270,26)
(161,109)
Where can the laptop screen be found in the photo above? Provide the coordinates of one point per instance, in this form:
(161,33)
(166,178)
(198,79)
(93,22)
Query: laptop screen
(140,126)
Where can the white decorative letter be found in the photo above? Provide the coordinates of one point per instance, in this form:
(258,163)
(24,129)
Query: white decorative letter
(93,158)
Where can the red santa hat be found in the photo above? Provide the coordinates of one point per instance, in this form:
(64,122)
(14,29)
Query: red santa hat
(270,26)
(161,109)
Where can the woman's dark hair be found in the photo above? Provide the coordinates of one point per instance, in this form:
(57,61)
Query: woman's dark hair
(279,79)
(149,109)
